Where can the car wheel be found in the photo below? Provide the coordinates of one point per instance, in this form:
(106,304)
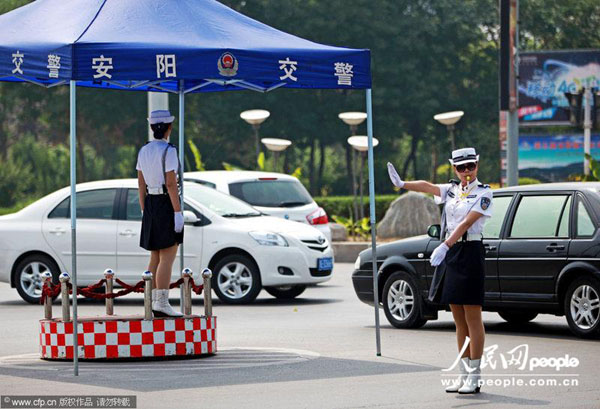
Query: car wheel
(518,317)
(582,307)
(286,292)
(402,302)
(236,279)
(28,278)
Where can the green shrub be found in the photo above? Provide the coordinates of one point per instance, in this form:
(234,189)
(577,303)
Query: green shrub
(14,181)
(528,181)
(20,205)
(357,229)
(594,174)
(342,205)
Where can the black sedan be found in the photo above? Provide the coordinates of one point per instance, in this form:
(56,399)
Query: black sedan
(542,257)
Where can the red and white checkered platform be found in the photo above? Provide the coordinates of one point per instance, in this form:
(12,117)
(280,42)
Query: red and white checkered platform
(115,337)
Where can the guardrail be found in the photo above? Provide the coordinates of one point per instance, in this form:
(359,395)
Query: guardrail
(188,279)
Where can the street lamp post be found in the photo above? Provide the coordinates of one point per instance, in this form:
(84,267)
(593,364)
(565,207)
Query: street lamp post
(361,144)
(353,119)
(449,119)
(276,145)
(255,117)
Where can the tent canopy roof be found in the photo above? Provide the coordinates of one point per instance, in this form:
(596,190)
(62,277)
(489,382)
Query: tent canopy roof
(157,44)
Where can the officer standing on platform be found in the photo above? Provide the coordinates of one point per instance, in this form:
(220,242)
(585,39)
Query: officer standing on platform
(460,258)
(162,217)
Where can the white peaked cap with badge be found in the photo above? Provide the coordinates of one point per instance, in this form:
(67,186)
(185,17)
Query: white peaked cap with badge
(160,116)
(464,155)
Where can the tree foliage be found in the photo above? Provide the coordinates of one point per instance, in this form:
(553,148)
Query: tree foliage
(428,56)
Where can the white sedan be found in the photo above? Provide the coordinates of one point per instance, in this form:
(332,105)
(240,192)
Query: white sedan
(245,249)
(275,194)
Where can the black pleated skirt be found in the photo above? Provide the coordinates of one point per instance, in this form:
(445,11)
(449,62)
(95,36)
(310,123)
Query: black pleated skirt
(464,277)
(158,224)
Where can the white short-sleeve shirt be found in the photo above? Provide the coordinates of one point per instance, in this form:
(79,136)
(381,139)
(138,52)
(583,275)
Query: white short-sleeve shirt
(461,200)
(150,162)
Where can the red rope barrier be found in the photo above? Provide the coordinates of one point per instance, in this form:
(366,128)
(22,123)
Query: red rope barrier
(54,289)
(49,291)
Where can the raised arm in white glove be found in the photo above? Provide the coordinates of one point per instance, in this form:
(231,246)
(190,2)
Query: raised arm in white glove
(178,222)
(439,254)
(394,176)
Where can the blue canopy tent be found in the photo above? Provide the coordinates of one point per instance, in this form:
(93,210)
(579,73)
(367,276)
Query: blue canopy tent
(177,46)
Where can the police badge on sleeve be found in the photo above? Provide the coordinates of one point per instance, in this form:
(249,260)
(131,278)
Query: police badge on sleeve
(485,202)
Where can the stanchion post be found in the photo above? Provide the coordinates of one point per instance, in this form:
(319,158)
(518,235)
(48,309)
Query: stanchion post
(187,291)
(206,276)
(147,276)
(47,280)
(109,275)
(64,279)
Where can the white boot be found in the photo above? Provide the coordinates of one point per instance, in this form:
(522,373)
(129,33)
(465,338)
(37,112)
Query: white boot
(460,381)
(472,383)
(161,307)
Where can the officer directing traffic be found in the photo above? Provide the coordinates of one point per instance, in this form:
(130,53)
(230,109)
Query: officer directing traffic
(162,217)
(460,258)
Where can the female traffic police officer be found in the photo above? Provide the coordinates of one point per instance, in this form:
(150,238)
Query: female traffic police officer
(162,217)
(460,258)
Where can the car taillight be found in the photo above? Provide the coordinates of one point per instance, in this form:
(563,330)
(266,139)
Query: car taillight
(318,217)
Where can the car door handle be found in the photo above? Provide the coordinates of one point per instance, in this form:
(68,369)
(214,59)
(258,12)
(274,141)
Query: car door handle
(127,233)
(553,247)
(489,248)
(58,231)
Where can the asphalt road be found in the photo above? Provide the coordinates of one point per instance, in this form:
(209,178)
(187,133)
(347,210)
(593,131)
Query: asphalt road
(317,351)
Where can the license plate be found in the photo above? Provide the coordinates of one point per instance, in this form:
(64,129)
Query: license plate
(325,263)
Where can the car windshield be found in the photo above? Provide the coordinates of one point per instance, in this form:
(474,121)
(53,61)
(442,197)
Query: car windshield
(271,193)
(220,203)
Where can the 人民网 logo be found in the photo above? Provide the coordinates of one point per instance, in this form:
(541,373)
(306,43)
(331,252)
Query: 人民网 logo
(228,65)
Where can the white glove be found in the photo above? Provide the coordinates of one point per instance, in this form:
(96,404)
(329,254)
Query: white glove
(178,222)
(439,254)
(394,176)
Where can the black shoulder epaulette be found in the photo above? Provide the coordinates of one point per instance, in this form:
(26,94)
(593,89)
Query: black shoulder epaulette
(454,181)
(483,185)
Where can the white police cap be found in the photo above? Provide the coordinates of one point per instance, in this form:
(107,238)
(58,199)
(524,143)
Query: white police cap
(160,116)
(464,155)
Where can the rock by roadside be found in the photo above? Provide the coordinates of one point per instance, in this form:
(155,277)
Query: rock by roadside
(409,215)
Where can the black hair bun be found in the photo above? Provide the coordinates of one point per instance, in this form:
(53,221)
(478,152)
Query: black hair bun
(160,129)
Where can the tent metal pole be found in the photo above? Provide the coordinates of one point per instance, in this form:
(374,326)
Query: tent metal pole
(373,225)
(73,160)
(182,161)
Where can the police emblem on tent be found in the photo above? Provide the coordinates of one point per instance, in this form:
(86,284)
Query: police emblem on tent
(228,65)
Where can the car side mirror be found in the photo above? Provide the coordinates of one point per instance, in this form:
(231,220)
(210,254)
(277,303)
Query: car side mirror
(433,231)
(190,217)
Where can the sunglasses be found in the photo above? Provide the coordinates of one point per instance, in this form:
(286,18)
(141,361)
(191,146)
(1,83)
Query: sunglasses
(467,166)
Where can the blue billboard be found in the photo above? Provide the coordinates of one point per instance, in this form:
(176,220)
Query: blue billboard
(545,76)
(553,158)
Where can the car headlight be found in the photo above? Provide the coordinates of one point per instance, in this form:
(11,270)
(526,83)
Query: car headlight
(357,263)
(266,238)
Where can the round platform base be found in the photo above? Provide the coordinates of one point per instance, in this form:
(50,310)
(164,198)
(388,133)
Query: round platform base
(117,337)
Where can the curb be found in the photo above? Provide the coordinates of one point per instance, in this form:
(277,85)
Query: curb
(347,251)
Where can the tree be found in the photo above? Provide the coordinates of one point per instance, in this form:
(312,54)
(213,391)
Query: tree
(428,56)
